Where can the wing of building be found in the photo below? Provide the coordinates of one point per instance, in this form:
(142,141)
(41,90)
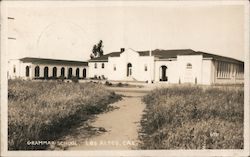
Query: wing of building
(171,66)
(41,68)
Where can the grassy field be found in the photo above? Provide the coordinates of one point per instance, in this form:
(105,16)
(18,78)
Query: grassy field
(193,118)
(39,111)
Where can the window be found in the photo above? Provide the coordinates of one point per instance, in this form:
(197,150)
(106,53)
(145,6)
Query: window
(103,65)
(240,71)
(54,72)
(70,73)
(37,71)
(224,70)
(62,71)
(95,65)
(146,68)
(189,66)
(27,71)
(114,67)
(77,73)
(84,73)
(14,69)
(46,72)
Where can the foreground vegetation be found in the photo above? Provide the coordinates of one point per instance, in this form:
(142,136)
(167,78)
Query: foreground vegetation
(39,111)
(193,118)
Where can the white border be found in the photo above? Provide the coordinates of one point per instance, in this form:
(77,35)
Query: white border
(4,152)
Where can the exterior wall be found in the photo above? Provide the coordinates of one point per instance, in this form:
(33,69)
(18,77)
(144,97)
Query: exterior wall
(21,70)
(59,67)
(98,71)
(13,69)
(207,72)
(228,72)
(192,74)
(177,72)
(171,72)
(139,63)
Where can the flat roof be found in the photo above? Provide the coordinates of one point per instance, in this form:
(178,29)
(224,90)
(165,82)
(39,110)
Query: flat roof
(53,61)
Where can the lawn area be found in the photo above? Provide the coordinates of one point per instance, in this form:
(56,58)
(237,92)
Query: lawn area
(39,111)
(191,117)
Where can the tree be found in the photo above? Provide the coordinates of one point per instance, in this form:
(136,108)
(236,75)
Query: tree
(97,50)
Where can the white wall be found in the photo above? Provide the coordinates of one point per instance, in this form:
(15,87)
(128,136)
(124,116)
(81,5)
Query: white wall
(11,64)
(99,71)
(138,66)
(51,66)
(172,70)
(207,72)
(21,69)
(190,75)
(177,69)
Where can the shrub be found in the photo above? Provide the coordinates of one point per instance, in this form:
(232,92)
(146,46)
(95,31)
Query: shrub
(107,83)
(193,118)
(74,79)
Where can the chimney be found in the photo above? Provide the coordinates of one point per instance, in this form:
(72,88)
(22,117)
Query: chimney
(122,49)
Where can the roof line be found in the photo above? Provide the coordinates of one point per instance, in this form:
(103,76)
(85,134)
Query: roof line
(52,59)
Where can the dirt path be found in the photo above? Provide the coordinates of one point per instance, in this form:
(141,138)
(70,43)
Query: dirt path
(118,129)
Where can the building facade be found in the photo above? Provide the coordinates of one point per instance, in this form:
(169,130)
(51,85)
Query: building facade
(39,68)
(168,66)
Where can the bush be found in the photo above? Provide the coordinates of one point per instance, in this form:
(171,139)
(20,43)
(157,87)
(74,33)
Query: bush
(107,83)
(41,110)
(193,118)
(74,79)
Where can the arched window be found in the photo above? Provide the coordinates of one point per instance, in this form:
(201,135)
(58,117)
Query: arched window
(46,72)
(129,69)
(102,65)
(114,67)
(37,71)
(84,73)
(54,72)
(27,71)
(63,71)
(145,67)
(14,68)
(189,66)
(95,65)
(70,73)
(77,73)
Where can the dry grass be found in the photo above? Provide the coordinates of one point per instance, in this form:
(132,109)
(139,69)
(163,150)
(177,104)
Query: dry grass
(41,110)
(193,118)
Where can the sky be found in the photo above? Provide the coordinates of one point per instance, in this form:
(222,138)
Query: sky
(61,31)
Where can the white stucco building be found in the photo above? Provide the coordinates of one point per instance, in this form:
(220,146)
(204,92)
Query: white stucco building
(168,66)
(40,68)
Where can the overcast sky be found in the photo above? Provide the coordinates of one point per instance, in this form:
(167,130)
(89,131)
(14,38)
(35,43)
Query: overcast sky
(63,31)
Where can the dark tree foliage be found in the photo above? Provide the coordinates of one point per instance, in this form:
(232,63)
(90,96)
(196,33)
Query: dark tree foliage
(97,50)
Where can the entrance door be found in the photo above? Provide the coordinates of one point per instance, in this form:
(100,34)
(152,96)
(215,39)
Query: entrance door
(163,73)
(129,69)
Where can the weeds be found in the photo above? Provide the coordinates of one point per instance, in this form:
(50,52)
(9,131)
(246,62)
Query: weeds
(41,110)
(193,118)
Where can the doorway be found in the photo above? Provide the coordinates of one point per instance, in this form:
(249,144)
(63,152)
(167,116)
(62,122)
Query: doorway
(129,69)
(163,73)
